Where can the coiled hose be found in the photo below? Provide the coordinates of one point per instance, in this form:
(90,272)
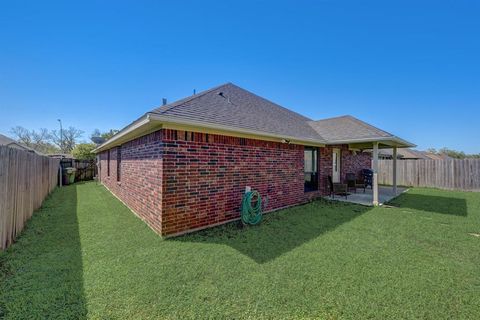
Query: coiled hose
(251,214)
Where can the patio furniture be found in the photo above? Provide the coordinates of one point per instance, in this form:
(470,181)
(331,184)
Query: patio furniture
(353,183)
(340,189)
(367,177)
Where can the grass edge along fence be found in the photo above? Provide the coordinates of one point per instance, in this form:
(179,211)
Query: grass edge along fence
(26,179)
(451,174)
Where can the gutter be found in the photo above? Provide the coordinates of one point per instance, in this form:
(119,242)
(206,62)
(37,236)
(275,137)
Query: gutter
(143,120)
(379,139)
(201,124)
(152,118)
(156,119)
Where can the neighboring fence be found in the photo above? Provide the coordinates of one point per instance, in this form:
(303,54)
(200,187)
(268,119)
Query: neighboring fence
(25,180)
(86,169)
(444,174)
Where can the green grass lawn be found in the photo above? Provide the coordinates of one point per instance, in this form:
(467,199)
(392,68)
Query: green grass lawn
(85,255)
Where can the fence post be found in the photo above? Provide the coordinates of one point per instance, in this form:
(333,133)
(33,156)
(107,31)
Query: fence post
(394,171)
(375,174)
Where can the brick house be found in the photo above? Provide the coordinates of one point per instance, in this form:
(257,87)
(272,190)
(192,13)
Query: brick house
(184,166)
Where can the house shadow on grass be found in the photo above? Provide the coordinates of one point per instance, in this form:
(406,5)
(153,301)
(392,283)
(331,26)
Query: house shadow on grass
(41,273)
(436,204)
(281,231)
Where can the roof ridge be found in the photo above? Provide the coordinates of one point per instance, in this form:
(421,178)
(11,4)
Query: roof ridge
(310,124)
(367,125)
(182,101)
(265,99)
(337,117)
(358,121)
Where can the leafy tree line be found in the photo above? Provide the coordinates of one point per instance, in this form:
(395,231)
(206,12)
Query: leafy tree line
(66,141)
(454,153)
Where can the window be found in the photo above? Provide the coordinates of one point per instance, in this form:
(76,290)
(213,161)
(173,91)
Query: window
(310,169)
(108,163)
(119,162)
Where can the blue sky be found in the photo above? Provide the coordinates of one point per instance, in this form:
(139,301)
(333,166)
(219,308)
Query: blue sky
(410,67)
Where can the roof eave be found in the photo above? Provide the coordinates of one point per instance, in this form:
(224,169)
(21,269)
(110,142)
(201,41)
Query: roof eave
(149,121)
(129,133)
(233,130)
(392,141)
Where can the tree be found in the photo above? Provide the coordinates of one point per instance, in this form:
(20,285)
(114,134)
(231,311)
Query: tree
(103,135)
(37,140)
(83,151)
(432,150)
(453,153)
(106,135)
(66,139)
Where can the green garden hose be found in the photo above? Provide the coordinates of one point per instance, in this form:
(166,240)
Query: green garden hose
(251,214)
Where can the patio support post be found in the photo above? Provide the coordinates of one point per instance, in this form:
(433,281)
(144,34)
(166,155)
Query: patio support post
(394,173)
(375,173)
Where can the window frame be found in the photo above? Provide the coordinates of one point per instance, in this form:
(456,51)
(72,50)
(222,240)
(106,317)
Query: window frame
(312,185)
(108,162)
(119,163)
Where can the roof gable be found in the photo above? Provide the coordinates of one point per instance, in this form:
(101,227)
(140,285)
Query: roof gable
(346,128)
(4,140)
(9,142)
(233,106)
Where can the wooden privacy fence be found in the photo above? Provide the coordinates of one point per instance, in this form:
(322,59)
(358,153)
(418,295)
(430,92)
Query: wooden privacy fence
(445,174)
(25,180)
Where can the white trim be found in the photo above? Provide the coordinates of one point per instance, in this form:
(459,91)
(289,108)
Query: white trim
(394,173)
(404,143)
(174,120)
(151,118)
(337,174)
(145,119)
(375,174)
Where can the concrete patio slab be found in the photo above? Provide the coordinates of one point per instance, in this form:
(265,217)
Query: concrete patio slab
(385,194)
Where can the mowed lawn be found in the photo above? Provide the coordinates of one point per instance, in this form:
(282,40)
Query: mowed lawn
(85,255)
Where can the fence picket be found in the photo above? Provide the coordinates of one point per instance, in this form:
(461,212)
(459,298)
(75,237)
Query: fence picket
(452,174)
(25,180)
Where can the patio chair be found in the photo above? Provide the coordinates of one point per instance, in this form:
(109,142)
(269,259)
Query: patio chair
(353,183)
(340,189)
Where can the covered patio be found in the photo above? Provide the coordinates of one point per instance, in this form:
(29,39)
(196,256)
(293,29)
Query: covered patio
(377,195)
(385,194)
(359,137)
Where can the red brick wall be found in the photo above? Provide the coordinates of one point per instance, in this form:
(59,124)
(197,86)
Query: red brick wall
(205,177)
(140,185)
(355,162)
(350,162)
(177,181)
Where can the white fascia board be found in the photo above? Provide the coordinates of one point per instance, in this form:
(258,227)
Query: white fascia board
(401,143)
(233,130)
(145,119)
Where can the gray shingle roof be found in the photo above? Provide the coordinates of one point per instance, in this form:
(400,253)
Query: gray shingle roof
(4,140)
(406,153)
(346,128)
(233,106)
(7,141)
(234,109)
